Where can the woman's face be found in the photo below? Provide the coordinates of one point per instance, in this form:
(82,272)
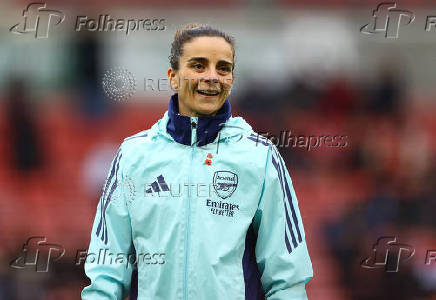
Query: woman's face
(205,76)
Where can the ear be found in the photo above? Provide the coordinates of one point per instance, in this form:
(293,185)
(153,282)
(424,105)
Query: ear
(173,79)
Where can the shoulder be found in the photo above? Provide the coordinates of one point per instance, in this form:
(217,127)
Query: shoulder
(262,145)
(135,144)
(140,138)
(140,135)
(250,142)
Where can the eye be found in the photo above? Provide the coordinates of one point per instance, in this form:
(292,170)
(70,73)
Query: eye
(198,66)
(224,69)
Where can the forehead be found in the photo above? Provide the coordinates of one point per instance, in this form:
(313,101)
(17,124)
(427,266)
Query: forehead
(212,48)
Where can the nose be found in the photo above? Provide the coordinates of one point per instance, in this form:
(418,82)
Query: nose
(211,76)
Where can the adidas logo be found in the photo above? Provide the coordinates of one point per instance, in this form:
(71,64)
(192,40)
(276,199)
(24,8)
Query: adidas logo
(157,186)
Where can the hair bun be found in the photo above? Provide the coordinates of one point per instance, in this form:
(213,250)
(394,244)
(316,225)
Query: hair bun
(188,26)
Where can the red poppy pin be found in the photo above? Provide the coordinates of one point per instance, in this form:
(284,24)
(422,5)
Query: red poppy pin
(208,160)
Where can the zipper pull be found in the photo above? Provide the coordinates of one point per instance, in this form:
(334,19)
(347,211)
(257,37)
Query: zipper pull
(194,125)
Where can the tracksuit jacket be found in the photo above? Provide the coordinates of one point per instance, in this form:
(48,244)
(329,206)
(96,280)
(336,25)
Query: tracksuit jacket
(198,208)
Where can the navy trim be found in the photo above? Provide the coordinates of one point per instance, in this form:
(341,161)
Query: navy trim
(103,196)
(134,137)
(258,139)
(288,244)
(109,198)
(288,221)
(291,205)
(253,285)
(134,285)
(106,198)
(179,126)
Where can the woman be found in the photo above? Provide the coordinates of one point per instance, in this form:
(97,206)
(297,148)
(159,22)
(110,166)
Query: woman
(198,206)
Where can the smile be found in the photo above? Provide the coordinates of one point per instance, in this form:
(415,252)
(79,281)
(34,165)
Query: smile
(208,92)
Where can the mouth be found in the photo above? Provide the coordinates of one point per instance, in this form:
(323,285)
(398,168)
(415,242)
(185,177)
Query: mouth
(208,93)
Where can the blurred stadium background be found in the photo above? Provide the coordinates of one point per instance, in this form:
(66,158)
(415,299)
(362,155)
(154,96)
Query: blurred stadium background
(301,66)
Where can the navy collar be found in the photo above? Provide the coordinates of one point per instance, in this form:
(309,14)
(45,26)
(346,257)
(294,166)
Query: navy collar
(179,127)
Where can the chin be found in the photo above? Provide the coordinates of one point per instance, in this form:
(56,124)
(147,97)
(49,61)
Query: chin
(207,108)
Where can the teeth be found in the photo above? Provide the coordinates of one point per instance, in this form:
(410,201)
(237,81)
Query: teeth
(208,92)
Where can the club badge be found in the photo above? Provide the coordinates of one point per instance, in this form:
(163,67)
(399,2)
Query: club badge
(225,183)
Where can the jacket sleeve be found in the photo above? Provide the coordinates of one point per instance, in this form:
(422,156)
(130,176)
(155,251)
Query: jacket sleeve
(281,252)
(111,242)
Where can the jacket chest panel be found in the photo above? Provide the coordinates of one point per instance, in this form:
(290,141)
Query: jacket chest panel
(222,193)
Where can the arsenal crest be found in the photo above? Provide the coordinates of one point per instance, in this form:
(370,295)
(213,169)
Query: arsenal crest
(225,183)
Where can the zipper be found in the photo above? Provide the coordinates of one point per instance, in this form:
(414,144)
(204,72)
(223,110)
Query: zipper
(194,121)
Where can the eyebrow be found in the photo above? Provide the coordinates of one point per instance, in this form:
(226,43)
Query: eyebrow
(204,60)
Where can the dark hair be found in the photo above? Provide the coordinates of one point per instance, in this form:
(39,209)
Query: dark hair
(191,31)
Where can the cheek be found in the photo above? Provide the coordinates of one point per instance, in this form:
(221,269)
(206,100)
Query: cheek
(227,83)
(228,80)
(189,81)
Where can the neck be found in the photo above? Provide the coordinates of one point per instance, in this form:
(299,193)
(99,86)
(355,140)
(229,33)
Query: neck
(179,124)
(185,111)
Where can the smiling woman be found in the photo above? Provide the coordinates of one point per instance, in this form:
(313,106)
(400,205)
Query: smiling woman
(244,239)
